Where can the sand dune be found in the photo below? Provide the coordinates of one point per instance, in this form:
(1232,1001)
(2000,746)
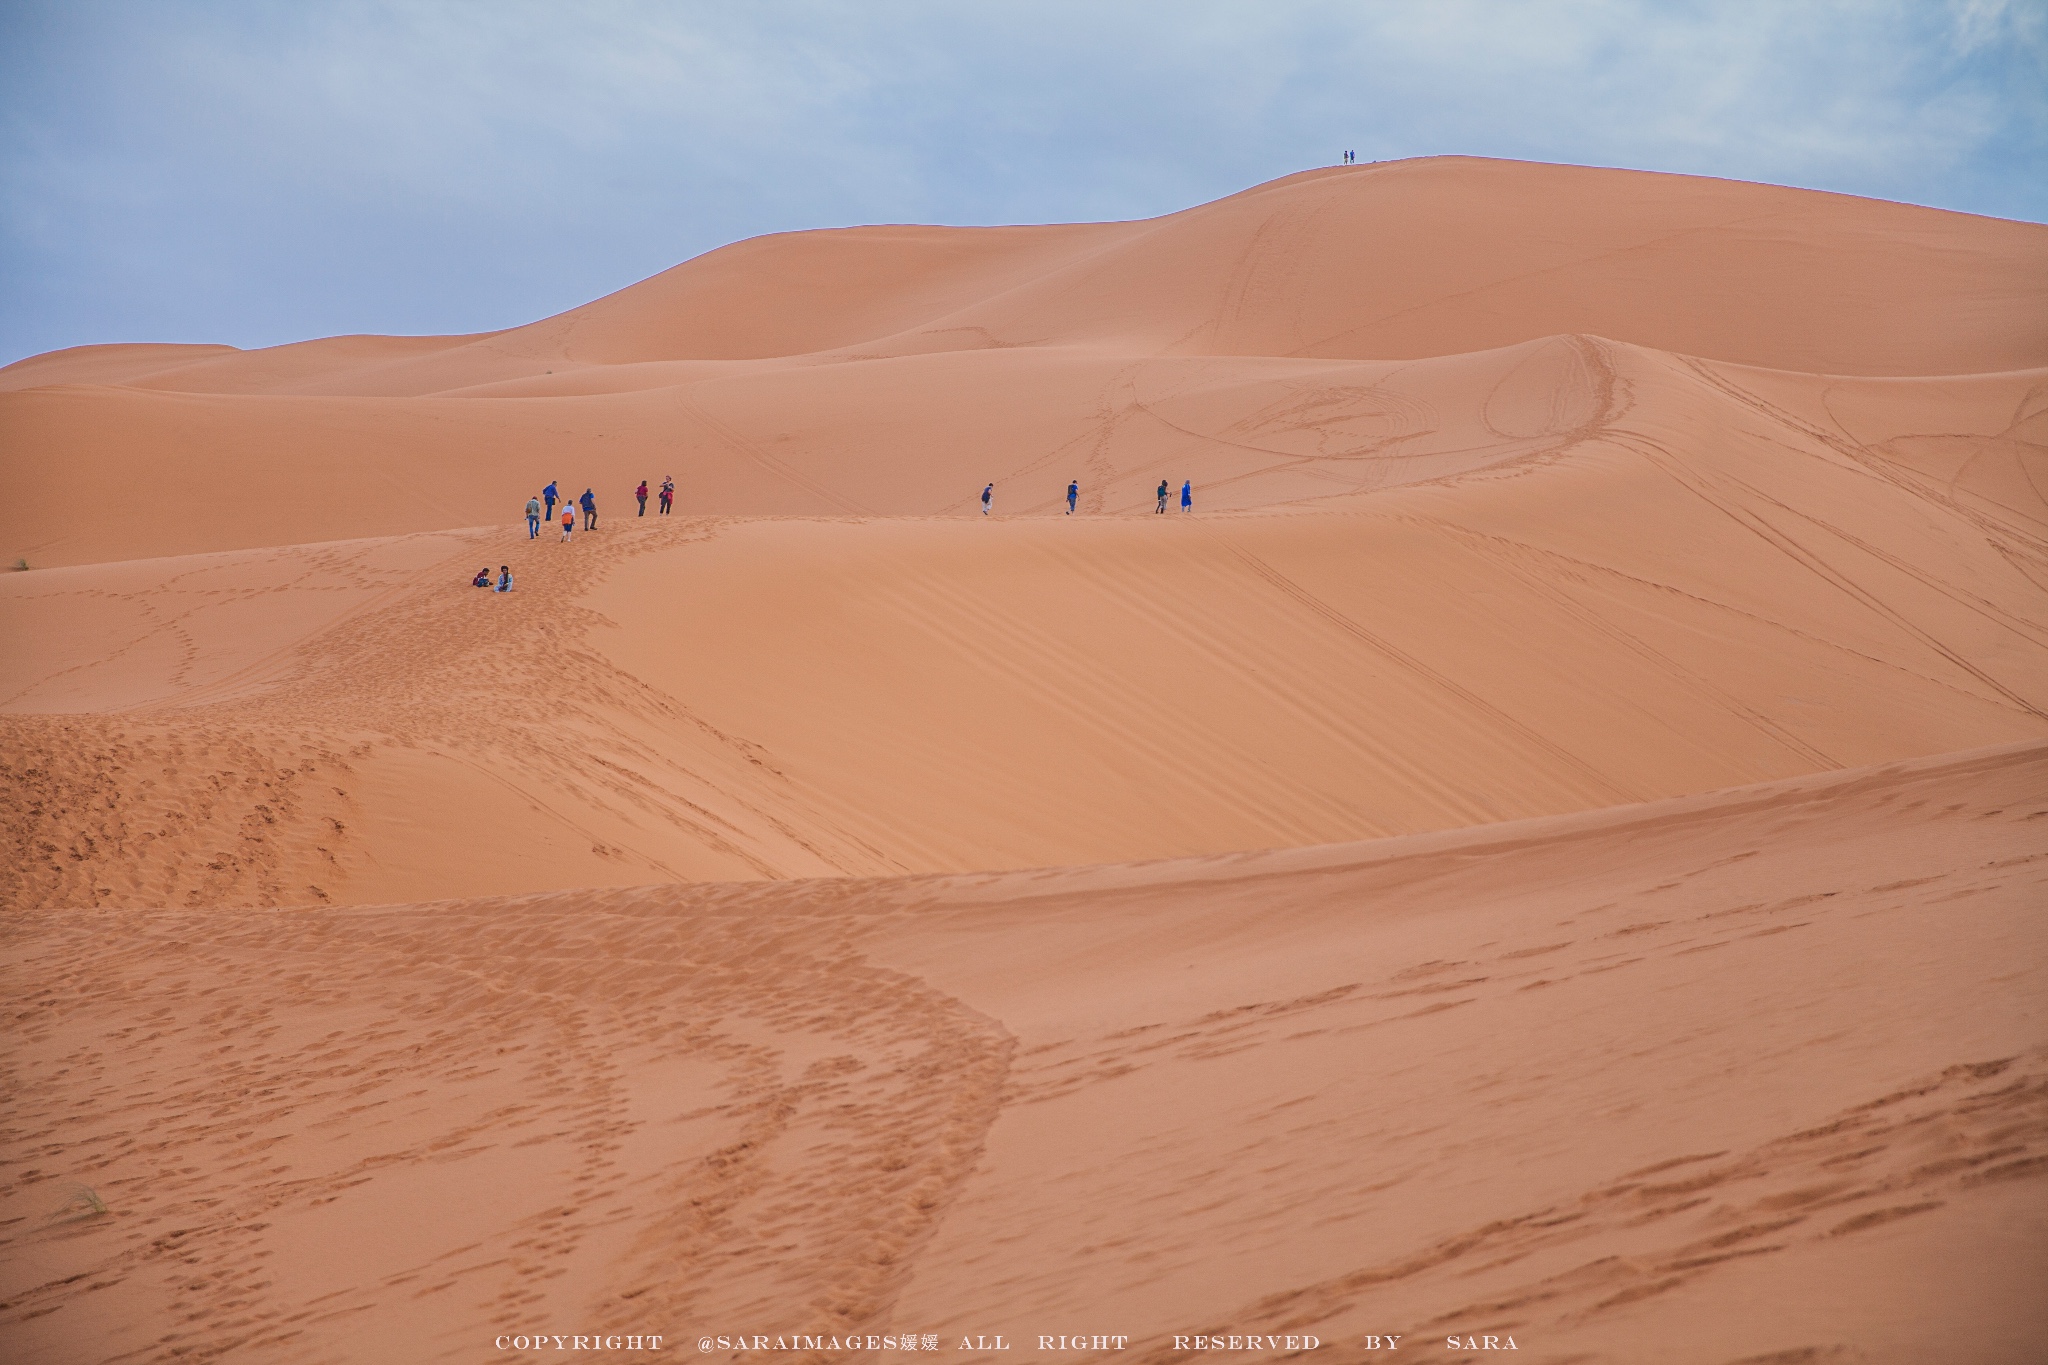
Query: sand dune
(1475,1082)
(919,363)
(1615,576)
(1550,846)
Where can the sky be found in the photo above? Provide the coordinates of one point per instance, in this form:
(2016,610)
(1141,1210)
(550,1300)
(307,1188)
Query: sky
(262,171)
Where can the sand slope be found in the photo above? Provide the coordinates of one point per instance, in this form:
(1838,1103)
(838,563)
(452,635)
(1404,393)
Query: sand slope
(1700,1081)
(1666,577)
(1550,846)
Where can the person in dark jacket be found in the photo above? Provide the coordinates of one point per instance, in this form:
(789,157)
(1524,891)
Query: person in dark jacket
(641,493)
(589,501)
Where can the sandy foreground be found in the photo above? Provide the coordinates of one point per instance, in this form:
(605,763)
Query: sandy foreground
(1552,848)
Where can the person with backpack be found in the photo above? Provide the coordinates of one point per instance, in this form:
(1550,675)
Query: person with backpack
(641,493)
(589,501)
(1073,494)
(987,495)
(1162,497)
(553,497)
(668,493)
(532,518)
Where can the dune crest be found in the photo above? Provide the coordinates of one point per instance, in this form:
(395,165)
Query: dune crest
(894,351)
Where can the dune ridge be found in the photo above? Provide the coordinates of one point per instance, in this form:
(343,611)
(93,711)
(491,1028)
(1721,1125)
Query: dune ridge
(1551,845)
(701,368)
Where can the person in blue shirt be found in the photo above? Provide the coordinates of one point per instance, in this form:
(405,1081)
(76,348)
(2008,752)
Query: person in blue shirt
(1073,493)
(589,501)
(553,497)
(1187,496)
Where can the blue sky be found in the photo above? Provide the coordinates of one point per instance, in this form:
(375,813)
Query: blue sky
(261,171)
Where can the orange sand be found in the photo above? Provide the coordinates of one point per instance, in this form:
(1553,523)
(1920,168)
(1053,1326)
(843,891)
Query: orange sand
(1593,735)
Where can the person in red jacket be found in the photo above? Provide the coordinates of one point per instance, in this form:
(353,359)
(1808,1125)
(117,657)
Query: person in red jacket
(668,494)
(641,493)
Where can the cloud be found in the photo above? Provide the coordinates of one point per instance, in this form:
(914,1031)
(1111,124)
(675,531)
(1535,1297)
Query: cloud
(254,172)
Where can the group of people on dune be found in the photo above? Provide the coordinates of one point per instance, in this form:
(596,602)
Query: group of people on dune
(542,508)
(1187,496)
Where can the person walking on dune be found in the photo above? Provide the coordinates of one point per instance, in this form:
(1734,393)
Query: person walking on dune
(568,521)
(668,493)
(641,493)
(1187,496)
(1073,495)
(589,510)
(504,578)
(987,496)
(553,497)
(533,518)
(1162,497)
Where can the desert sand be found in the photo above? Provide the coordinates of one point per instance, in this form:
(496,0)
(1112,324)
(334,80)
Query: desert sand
(1552,847)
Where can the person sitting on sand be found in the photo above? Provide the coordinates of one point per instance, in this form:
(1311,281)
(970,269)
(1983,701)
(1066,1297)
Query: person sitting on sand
(668,494)
(482,579)
(504,578)
(589,501)
(568,521)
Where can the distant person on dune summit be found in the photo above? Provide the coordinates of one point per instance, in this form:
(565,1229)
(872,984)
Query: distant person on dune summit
(641,493)
(504,578)
(589,501)
(553,497)
(1073,495)
(668,494)
(532,518)
(1187,496)
(568,521)
(987,495)
(1163,493)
